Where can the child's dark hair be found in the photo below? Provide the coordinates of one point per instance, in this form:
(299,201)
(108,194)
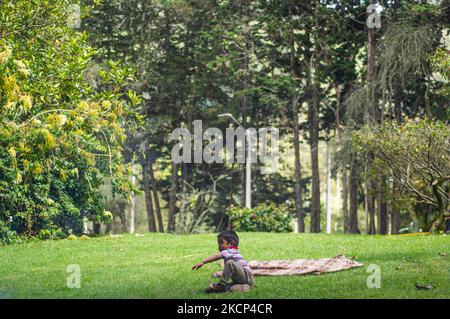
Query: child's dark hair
(229,236)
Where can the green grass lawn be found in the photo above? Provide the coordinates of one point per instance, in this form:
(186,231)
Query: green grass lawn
(159,266)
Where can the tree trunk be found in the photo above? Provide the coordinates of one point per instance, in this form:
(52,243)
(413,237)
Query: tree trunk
(353,215)
(366,209)
(370,202)
(295,128)
(343,160)
(385,216)
(96,228)
(380,220)
(314,148)
(338,191)
(369,112)
(122,207)
(85,226)
(298,177)
(172,199)
(328,187)
(395,212)
(314,127)
(370,106)
(133,202)
(186,168)
(344,193)
(243,85)
(155,197)
(383,221)
(148,195)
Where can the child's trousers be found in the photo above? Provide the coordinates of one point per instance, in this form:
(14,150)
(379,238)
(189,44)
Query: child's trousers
(447,227)
(234,272)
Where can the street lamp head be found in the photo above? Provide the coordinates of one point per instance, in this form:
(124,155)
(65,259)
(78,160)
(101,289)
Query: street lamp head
(229,116)
(225,115)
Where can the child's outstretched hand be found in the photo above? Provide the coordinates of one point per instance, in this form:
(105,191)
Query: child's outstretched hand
(197,266)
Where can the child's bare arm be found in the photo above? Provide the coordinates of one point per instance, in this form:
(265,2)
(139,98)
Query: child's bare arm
(207,260)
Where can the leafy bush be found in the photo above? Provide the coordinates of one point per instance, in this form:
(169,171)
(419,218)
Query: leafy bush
(6,234)
(51,233)
(72,237)
(266,217)
(415,154)
(61,137)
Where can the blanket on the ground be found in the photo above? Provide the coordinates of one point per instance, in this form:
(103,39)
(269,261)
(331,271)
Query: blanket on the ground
(299,266)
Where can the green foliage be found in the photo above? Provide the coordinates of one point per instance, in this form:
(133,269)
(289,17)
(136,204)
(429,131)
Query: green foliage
(51,232)
(66,108)
(416,155)
(6,234)
(60,135)
(440,62)
(105,217)
(266,217)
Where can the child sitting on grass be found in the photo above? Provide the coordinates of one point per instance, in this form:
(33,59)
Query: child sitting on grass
(236,275)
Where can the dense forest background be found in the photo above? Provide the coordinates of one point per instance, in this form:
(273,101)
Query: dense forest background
(360,96)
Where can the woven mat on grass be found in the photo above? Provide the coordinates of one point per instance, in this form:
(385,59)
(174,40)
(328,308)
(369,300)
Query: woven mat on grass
(299,266)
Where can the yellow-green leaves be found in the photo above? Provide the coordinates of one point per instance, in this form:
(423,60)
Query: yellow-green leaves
(12,152)
(83,105)
(5,53)
(8,84)
(18,178)
(27,102)
(134,98)
(106,105)
(46,139)
(38,169)
(22,68)
(58,133)
(56,120)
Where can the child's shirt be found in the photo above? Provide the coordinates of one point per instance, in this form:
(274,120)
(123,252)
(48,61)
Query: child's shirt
(233,254)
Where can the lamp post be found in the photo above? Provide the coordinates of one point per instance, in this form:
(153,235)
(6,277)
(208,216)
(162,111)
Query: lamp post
(248,164)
